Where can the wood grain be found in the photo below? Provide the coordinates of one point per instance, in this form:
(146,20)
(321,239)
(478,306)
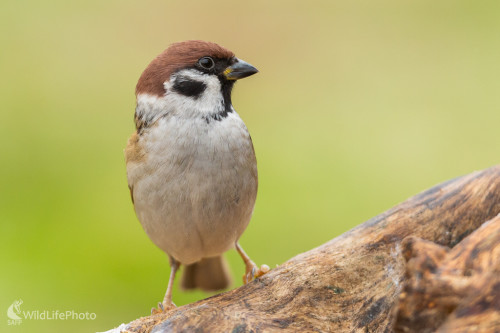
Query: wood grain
(452,290)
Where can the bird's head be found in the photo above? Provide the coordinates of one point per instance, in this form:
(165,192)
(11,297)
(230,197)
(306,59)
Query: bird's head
(192,77)
(195,57)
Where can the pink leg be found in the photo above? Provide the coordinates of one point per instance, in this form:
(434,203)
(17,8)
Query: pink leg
(251,271)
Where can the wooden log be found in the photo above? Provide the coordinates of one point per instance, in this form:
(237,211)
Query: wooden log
(452,290)
(351,283)
(479,312)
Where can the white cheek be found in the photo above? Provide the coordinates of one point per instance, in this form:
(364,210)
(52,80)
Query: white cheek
(150,107)
(209,102)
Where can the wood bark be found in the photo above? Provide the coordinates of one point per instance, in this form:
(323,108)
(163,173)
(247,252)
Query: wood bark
(452,290)
(395,272)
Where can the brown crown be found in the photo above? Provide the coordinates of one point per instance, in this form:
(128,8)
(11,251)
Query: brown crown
(177,56)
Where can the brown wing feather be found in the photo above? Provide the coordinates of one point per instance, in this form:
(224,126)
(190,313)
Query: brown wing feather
(134,153)
(131,193)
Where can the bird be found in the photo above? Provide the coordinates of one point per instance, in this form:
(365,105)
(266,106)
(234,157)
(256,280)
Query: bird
(191,165)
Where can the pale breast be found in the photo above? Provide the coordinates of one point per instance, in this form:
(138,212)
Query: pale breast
(194,184)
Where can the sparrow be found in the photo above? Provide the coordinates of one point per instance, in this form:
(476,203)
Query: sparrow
(191,166)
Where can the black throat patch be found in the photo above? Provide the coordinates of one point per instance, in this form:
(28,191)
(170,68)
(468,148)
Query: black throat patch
(226,88)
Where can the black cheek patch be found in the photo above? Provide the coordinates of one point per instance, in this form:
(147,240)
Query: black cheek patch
(189,87)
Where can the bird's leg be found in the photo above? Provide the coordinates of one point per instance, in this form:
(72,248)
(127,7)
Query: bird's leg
(252,271)
(167,303)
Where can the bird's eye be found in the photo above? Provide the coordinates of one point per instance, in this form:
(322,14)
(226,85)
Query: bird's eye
(206,62)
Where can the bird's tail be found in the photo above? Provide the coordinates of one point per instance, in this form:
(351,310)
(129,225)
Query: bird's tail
(209,274)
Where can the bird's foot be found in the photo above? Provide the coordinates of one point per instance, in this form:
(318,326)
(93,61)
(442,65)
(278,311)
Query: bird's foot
(163,307)
(253,272)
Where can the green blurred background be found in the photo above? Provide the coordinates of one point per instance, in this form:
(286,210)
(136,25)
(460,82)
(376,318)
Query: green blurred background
(358,105)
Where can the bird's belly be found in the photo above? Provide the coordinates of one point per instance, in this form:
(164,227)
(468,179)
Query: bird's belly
(196,196)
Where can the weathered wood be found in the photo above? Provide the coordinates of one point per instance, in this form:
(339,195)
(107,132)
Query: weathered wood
(351,283)
(452,289)
(479,312)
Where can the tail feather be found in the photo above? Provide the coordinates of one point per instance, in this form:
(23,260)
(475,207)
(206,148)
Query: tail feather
(209,274)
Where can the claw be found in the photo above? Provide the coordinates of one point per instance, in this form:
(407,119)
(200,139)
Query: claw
(253,272)
(263,270)
(163,308)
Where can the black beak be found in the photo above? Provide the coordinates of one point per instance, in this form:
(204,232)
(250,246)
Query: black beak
(239,70)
